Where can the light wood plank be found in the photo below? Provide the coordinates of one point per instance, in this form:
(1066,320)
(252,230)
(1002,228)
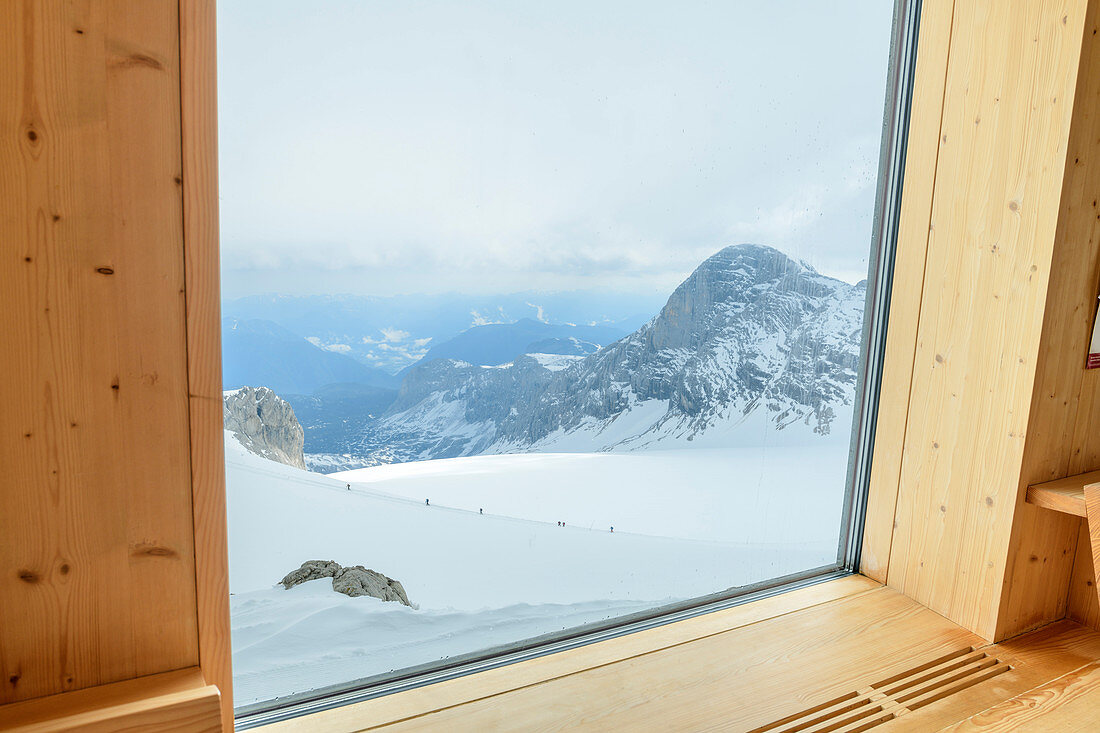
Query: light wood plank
(1007,113)
(752,675)
(1070,704)
(908,285)
(1083,605)
(737,680)
(96,548)
(1041,551)
(1092,512)
(1066,495)
(194,710)
(203,299)
(494,682)
(1035,658)
(105,701)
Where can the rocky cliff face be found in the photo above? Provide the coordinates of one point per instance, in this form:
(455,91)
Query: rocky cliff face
(750,333)
(265,424)
(750,330)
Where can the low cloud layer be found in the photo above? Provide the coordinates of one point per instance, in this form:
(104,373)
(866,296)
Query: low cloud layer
(498,146)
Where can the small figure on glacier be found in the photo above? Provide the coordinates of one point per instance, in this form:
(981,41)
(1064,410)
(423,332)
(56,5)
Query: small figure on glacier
(480,511)
(612,530)
(427,502)
(349,487)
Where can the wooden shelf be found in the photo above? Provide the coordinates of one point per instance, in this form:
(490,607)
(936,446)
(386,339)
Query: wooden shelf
(1065,495)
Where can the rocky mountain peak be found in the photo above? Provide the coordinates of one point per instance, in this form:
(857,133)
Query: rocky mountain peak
(751,332)
(265,424)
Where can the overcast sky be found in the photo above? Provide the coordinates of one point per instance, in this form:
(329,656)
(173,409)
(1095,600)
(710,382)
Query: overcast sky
(389,146)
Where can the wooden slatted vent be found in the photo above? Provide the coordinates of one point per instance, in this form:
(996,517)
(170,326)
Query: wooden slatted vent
(894,696)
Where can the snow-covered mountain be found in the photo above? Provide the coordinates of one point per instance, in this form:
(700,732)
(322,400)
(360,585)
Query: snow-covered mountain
(751,340)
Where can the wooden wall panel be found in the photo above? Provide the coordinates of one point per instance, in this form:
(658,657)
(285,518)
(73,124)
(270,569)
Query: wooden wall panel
(1083,605)
(1059,442)
(200,198)
(96,548)
(908,284)
(1006,118)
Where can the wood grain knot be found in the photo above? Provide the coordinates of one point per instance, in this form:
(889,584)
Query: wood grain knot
(147,550)
(14,680)
(105,270)
(64,568)
(141,59)
(29,576)
(32,135)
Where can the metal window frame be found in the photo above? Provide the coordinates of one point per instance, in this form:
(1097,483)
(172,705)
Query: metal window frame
(895,131)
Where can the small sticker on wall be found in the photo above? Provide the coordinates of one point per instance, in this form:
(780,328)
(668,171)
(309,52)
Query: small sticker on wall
(1094,348)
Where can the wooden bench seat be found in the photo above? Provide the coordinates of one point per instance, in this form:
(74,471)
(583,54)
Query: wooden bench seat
(1065,495)
(1077,495)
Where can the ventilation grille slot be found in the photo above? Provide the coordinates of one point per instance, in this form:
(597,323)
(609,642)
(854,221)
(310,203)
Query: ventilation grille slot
(894,696)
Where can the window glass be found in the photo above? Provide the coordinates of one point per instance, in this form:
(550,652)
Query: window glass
(536,314)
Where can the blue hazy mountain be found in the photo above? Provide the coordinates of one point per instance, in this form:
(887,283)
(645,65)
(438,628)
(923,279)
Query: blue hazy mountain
(262,353)
(567,346)
(392,333)
(500,343)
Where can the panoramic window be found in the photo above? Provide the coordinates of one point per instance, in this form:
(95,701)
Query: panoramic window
(537,316)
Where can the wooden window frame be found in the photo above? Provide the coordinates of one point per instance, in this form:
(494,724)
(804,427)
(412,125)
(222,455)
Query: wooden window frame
(1008,587)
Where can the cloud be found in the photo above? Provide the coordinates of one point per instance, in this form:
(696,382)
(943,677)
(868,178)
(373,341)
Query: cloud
(540,313)
(619,166)
(482,320)
(394,335)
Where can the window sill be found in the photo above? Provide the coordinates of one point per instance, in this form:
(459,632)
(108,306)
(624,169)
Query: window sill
(434,698)
(743,667)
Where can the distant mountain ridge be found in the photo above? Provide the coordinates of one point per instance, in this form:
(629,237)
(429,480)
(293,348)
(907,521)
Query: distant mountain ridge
(750,336)
(394,332)
(499,343)
(263,353)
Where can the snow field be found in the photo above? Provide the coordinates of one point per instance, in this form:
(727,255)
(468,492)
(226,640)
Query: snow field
(484,580)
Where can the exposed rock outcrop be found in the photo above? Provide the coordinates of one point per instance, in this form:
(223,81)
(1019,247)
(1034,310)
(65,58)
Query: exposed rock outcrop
(353,581)
(310,570)
(265,424)
(359,581)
